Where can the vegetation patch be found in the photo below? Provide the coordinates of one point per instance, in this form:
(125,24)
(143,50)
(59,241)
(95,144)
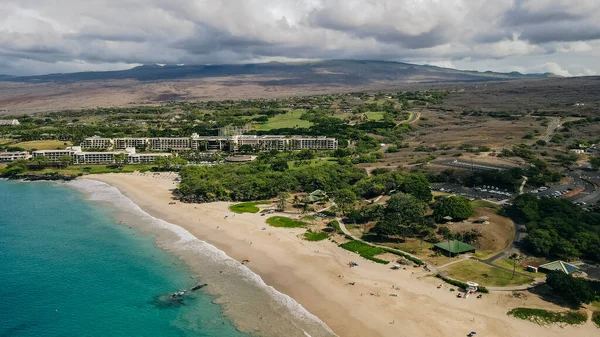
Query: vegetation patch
(335,225)
(364,250)
(288,120)
(596,318)
(315,236)
(247,207)
(461,284)
(484,204)
(406,256)
(543,317)
(41,145)
(484,274)
(281,221)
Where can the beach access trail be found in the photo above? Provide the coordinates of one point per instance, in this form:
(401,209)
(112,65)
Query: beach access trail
(382,302)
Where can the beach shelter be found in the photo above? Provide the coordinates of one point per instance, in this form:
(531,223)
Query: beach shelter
(563,266)
(315,196)
(454,247)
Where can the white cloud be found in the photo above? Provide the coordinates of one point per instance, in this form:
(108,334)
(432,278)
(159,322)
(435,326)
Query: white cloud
(104,34)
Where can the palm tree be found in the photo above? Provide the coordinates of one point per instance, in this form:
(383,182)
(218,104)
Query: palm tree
(514,257)
(282,202)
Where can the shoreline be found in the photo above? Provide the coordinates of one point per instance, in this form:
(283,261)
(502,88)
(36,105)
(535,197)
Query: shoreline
(315,274)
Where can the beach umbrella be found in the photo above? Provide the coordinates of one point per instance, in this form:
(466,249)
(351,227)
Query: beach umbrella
(473,333)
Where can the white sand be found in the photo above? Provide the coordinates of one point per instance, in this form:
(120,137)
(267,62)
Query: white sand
(309,272)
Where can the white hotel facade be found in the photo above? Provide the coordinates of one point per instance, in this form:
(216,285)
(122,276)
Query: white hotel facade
(215,143)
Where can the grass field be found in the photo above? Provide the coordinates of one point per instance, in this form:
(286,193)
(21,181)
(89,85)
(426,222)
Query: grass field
(484,204)
(365,250)
(470,270)
(247,207)
(543,317)
(508,263)
(42,145)
(281,221)
(288,120)
(375,115)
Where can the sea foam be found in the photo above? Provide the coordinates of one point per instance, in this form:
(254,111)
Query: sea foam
(103,192)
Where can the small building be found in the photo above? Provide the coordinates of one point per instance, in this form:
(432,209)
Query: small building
(454,247)
(9,122)
(316,196)
(563,266)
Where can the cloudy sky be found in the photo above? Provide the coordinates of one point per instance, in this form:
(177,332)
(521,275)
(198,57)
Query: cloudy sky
(43,36)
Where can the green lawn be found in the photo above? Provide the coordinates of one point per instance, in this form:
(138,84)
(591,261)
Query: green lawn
(288,120)
(247,207)
(365,250)
(42,145)
(471,270)
(375,115)
(543,317)
(285,222)
(508,263)
(484,204)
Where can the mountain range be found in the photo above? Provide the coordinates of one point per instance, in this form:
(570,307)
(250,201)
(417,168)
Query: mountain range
(330,72)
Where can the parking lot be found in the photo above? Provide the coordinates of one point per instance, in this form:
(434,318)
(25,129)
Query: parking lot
(491,193)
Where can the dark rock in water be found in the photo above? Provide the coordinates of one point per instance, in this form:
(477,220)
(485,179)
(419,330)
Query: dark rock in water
(200,286)
(170,300)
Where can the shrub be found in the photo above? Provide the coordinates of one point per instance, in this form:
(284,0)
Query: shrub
(541,316)
(596,318)
(461,284)
(335,225)
(406,256)
(315,236)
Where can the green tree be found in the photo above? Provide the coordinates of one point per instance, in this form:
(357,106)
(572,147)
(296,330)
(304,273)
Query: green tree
(282,200)
(401,215)
(279,165)
(120,160)
(345,200)
(573,290)
(455,207)
(595,162)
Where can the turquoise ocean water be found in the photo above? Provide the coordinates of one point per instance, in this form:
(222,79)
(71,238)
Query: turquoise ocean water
(67,268)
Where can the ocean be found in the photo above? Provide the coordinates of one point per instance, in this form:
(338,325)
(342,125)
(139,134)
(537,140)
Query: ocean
(80,259)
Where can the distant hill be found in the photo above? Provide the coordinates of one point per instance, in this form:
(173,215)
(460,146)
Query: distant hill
(332,72)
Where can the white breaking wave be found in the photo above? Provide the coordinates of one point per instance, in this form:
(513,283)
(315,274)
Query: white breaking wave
(100,191)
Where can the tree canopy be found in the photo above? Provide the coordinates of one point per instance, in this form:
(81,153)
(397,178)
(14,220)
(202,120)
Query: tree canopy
(574,291)
(403,215)
(455,207)
(557,228)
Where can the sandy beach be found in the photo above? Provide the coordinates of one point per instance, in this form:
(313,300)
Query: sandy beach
(316,275)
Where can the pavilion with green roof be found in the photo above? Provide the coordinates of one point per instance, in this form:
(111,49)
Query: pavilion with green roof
(454,247)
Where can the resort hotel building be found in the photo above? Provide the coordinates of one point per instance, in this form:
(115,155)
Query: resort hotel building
(80,157)
(214,143)
(12,156)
